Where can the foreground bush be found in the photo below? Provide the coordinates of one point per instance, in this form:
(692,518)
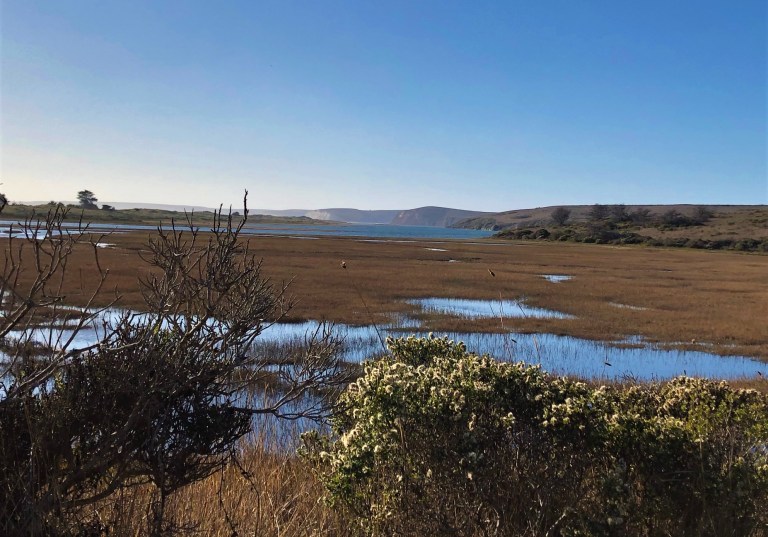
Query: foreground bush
(153,402)
(435,440)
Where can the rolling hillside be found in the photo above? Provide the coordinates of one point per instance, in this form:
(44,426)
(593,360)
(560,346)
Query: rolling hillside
(542,216)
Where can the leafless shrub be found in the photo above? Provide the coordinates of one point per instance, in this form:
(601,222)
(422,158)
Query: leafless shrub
(160,398)
(560,215)
(598,212)
(640,216)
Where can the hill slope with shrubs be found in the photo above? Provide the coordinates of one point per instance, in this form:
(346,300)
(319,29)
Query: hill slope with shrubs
(699,227)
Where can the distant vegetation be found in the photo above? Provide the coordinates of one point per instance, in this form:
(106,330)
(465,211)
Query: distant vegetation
(108,214)
(699,227)
(87,199)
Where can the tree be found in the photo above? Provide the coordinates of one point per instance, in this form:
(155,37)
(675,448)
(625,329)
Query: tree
(598,212)
(640,216)
(560,215)
(701,214)
(619,213)
(87,199)
(674,218)
(160,399)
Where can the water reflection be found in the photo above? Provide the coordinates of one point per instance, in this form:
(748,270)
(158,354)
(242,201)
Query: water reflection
(556,278)
(386,231)
(627,306)
(561,355)
(475,309)
(631,357)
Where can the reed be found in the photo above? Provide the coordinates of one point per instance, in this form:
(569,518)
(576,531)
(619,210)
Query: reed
(267,491)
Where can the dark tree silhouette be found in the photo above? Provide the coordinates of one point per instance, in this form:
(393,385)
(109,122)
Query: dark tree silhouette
(701,214)
(619,213)
(640,216)
(598,212)
(560,215)
(87,199)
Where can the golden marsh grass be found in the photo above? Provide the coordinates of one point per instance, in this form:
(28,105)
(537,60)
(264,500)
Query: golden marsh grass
(718,299)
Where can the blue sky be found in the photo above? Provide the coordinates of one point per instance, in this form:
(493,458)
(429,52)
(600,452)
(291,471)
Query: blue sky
(382,105)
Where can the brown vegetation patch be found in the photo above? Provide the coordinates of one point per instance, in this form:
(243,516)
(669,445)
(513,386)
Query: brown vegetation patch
(269,492)
(715,298)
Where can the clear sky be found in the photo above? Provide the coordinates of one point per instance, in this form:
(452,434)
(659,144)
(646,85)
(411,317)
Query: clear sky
(385,105)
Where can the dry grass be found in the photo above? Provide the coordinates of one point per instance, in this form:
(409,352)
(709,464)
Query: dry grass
(750,222)
(715,298)
(757,383)
(270,492)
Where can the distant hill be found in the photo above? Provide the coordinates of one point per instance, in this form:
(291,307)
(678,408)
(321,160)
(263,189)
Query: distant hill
(711,227)
(149,215)
(181,208)
(422,216)
(434,216)
(132,205)
(353,216)
(542,216)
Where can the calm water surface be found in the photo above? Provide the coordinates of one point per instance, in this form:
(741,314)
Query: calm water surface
(562,355)
(475,309)
(302,230)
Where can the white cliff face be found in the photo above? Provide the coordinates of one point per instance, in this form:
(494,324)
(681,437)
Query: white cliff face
(356,216)
(319,215)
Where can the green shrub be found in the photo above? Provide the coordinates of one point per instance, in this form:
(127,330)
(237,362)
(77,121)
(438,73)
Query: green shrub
(675,242)
(747,245)
(435,440)
(721,244)
(524,233)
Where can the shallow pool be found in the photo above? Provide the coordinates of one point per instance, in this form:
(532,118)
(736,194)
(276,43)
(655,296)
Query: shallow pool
(477,309)
(564,355)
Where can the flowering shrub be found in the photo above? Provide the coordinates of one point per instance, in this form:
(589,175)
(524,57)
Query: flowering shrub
(433,439)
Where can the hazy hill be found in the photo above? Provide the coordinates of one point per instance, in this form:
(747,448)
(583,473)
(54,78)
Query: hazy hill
(338,215)
(147,215)
(434,216)
(422,216)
